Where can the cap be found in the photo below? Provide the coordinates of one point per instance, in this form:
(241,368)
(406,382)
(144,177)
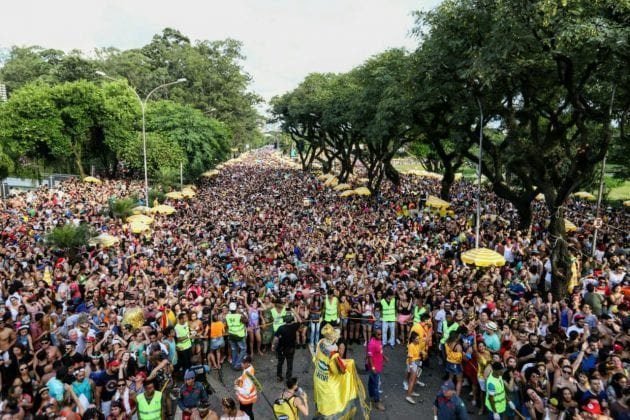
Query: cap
(579,316)
(448,386)
(232,306)
(189,374)
(491,326)
(593,407)
(114,363)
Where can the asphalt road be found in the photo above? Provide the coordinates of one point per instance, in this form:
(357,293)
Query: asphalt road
(396,407)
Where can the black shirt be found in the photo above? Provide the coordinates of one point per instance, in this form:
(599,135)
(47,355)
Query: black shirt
(286,336)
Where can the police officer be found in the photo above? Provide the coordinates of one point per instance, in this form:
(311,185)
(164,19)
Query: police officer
(448,406)
(191,394)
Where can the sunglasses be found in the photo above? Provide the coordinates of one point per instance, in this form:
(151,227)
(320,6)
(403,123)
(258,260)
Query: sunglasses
(23,369)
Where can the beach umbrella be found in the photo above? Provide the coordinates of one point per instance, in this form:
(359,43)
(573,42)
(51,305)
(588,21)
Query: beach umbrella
(104,239)
(140,218)
(92,180)
(347,193)
(177,195)
(540,197)
(140,210)
(435,202)
(569,226)
(210,174)
(190,187)
(220,166)
(363,191)
(188,193)
(138,227)
(483,257)
(626,203)
(342,187)
(363,181)
(331,182)
(584,195)
(163,209)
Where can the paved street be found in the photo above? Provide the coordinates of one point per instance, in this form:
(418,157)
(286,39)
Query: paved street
(393,395)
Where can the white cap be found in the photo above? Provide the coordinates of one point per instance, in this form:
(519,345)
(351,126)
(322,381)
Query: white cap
(232,306)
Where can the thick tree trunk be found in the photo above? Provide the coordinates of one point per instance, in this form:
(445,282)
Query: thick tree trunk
(447,181)
(78,162)
(560,256)
(524,209)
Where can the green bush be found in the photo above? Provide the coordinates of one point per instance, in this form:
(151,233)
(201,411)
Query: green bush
(70,238)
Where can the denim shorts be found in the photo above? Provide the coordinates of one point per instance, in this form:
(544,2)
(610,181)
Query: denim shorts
(217,343)
(454,368)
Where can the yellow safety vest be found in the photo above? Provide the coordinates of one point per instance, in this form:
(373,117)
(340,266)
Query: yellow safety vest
(499,394)
(152,410)
(182,334)
(331,314)
(389,310)
(235,325)
(278,318)
(417,312)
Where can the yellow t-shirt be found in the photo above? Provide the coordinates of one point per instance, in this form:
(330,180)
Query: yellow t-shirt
(344,308)
(453,356)
(413,352)
(217,329)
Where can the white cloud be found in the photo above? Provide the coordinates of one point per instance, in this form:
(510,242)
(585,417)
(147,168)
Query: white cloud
(284,40)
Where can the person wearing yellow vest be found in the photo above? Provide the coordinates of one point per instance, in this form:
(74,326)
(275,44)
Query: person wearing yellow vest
(388,315)
(245,388)
(183,342)
(237,332)
(278,313)
(150,403)
(331,309)
(496,396)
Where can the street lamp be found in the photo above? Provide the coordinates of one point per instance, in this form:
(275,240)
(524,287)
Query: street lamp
(478,221)
(143,104)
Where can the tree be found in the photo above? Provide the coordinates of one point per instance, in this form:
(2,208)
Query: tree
(70,239)
(162,152)
(204,141)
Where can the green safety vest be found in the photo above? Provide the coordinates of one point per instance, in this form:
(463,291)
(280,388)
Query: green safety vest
(182,334)
(235,325)
(331,313)
(417,312)
(278,318)
(447,330)
(389,310)
(499,394)
(152,410)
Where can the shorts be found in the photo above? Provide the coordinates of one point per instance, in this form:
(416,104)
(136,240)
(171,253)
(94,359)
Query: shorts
(217,343)
(482,384)
(454,368)
(367,320)
(415,367)
(403,319)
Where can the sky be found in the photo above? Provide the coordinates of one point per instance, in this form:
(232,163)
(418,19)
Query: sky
(283,40)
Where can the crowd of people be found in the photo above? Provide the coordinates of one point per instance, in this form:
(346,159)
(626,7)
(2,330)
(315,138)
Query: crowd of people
(264,258)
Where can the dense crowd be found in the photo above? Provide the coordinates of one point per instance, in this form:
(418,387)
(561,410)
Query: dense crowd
(264,250)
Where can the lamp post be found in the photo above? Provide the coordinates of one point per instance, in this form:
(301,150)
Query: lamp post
(479,174)
(143,104)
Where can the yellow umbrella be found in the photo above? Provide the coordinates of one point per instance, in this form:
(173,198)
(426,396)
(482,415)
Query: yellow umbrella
(140,218)
(138,227)
(483,257)
(363,180)
(140,210)
(324,177)
(210,174)
(585,195)
(363,191)
(438,203)
(331,182)
(220,166)
(569,226)
(188,193)
(347,193)
(177,195)
(163,209)
(92,180)
(104,239)
(540,197)
(626,203)
(342,187)
(190,187)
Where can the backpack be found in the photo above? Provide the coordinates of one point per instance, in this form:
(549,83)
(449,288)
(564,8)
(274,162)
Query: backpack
(283,410)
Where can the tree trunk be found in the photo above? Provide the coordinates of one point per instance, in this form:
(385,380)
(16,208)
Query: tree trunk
(560,257)
(78,162)
(524,209)
(447,181)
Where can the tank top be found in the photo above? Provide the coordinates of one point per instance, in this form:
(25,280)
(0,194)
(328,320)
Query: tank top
(254,318)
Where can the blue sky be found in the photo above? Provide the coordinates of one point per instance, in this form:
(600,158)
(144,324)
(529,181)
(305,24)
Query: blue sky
(284,40)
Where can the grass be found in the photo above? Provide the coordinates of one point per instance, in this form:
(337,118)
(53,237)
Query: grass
(622,192)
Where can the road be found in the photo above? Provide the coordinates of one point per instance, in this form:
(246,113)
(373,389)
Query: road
(393,395)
